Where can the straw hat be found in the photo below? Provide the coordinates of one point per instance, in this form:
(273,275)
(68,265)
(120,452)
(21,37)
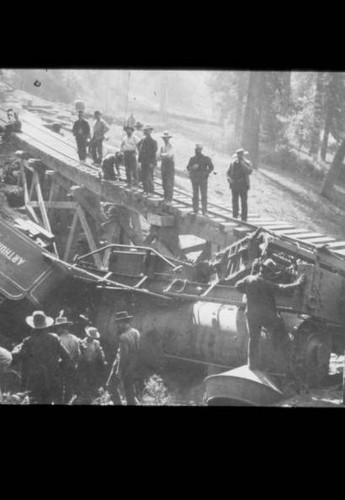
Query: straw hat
(239,151)
(92,332)
(166,135)
(62,320)
(39,320)
(122,316)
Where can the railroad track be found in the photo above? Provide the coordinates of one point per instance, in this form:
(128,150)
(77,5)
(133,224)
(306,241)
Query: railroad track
(217,212)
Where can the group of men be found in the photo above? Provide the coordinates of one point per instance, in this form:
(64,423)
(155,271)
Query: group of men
(57,367)
(82,133)
(138,147)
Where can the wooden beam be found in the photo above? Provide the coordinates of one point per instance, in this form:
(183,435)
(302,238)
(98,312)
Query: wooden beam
(194,248)
(72,236)
(29,209)
(89,235)
(67,205)
(136,224)
(85,199)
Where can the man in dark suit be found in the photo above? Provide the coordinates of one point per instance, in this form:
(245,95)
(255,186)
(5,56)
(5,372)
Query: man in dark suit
(148,159)
(238,178)
(199,168)
(82,133)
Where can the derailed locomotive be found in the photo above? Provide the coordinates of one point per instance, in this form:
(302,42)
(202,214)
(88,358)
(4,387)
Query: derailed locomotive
(178,312)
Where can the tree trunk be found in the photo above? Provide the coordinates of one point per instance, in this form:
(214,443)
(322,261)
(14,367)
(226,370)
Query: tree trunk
(333,172)
(252,117)
(326,133)
(332,103)
(315,139)
(239,106)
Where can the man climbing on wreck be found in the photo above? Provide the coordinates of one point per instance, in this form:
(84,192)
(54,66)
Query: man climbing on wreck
(261,309)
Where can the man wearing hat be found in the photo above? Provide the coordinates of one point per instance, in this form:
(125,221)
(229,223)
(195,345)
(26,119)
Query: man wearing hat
(238,178)
(91,365)
(41,355)
(126,359)
(13,124)
(199,168)
(82,133)
(100,128)
(129,149)
(167,158)
(148,159)
(72,345)
(261,309)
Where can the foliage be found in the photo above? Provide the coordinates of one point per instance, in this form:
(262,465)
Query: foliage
(54,84)
(300,124)
(273,123)
(291,159)
(293,111)
(226,88)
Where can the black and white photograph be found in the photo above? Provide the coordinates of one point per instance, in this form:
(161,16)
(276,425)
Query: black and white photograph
(172,237)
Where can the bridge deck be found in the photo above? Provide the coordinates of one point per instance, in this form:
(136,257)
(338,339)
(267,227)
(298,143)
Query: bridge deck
(219,227)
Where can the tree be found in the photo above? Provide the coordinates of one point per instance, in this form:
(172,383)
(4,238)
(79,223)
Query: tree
(241,78)
(276,101)
(334,101)
(228,90)
(252,116)
(317,118)
(334,172)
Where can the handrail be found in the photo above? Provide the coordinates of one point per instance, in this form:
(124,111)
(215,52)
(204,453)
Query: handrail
(131,247)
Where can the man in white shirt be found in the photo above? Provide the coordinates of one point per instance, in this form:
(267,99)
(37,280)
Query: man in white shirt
(129,149)
(100,128)
(166,156)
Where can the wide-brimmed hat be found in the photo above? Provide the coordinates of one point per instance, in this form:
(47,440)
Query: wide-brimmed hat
(92,332)
(166,135)
(139,124)
(241,150)
(122,315)
(269,264)
(62,320)
(39,320)
(148,127)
